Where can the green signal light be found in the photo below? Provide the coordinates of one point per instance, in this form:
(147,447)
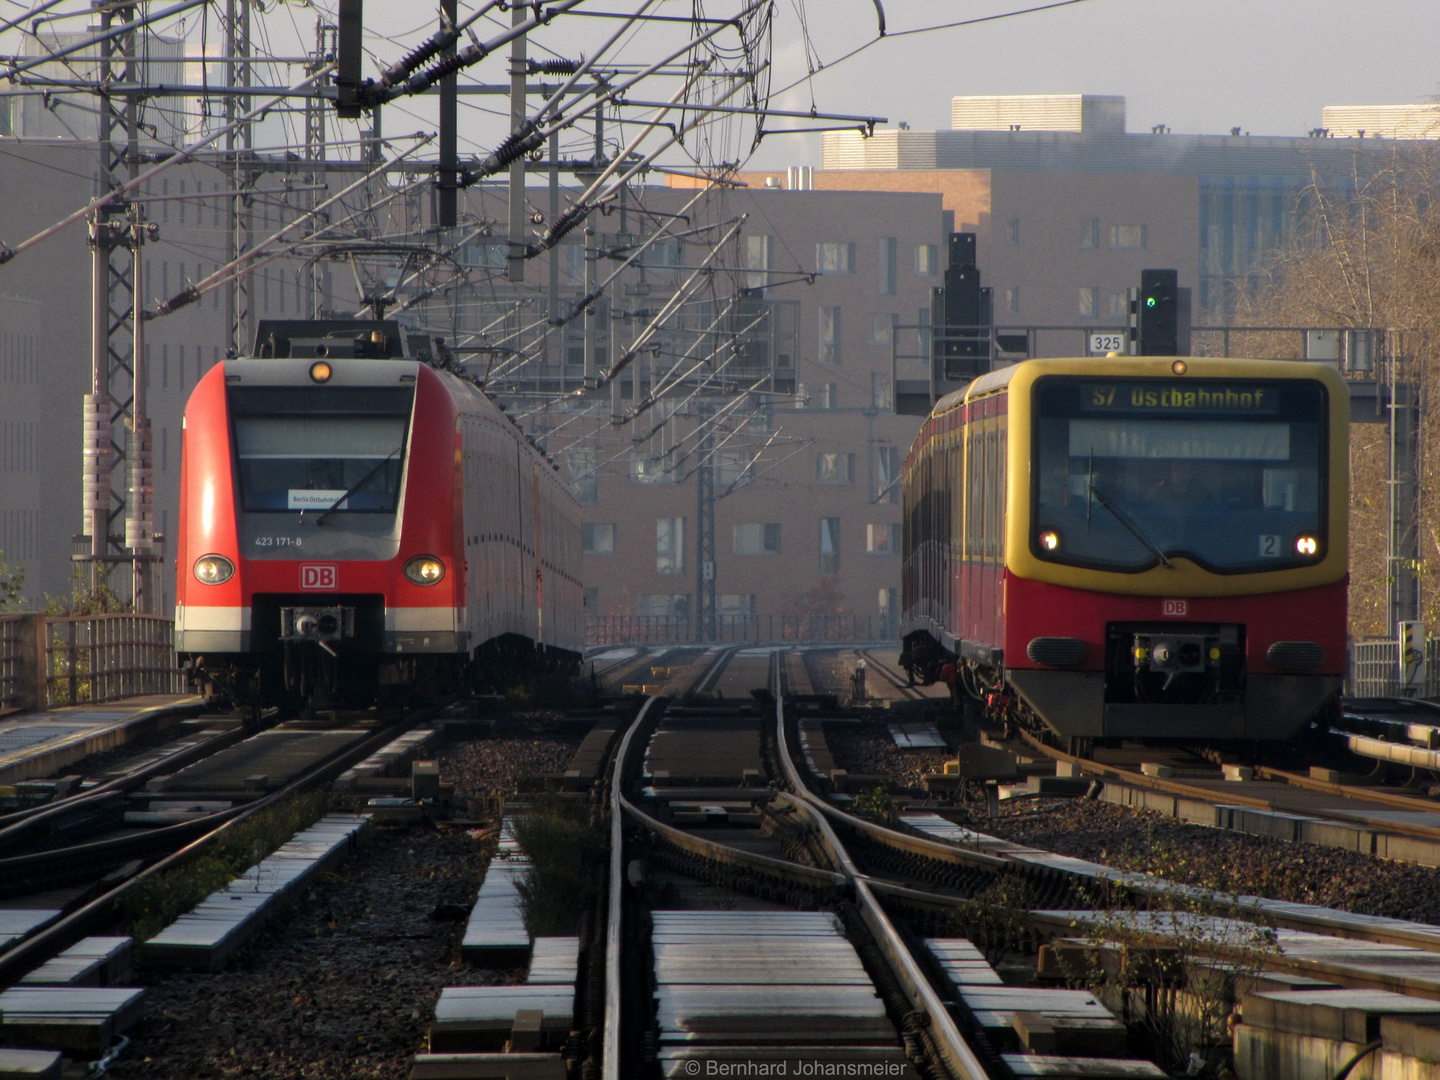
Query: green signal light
(1150,301)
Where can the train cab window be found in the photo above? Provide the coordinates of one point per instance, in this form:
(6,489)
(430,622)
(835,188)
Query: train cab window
(314,448)
(1230,474)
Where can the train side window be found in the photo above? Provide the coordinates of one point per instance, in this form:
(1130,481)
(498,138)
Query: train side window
(974,513)
(1002,491)
(992,501)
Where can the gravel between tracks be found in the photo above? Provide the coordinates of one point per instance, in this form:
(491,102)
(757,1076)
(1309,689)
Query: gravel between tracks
(869,748)
(1229,862)
(343,986)
(1177,851)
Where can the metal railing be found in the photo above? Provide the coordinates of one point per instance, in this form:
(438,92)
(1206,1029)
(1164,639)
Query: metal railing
(50,661)
(13,655)
(736,629)
(1375,670)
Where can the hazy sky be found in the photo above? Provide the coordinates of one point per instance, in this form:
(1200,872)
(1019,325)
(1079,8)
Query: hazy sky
(1267,66)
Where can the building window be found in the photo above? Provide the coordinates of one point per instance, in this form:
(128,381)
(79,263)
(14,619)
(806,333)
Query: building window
(597,538)
(759,260)
(924,334)
(802,396)
(887,474)
(670,545)
(888,603)
(829,545)
(835,468)
(572,262)
(1012,230)
(829,395)
(592,599)
(1087,301)
(665,606)
(733,469)
(829,335)
(1127,237)
(650,468)
(835,258)
(882,539)
(1090,233)
(882,327)
(1119,305)
(927,259)
(582,471)
(735,605)
(1012,300)
(757,539)
(887,257)
(882,392)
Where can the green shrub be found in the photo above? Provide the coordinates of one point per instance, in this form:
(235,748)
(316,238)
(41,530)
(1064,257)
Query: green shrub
(160,900)
(566,853)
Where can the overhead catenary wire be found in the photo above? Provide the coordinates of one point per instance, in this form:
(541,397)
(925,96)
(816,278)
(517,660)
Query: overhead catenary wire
(185,154)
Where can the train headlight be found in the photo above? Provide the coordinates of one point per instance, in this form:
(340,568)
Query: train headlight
(1050,540)
(1307,545)
(425,570)
(213,569)
(320,371)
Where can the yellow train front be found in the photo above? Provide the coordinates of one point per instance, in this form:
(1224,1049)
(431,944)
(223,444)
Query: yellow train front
(1134,547)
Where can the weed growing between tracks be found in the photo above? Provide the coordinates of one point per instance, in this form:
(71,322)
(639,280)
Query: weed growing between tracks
(877,805)
(160,900)
(565,851)
(1173,966)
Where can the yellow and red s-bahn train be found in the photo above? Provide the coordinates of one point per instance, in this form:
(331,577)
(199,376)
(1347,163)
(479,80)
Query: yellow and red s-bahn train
(1134,547)
(357,525)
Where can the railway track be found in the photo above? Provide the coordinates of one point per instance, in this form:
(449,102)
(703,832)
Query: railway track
(801,857)
(732,867)
(907,880)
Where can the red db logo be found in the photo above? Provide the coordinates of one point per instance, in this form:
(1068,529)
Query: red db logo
(327,575)
(1174,609)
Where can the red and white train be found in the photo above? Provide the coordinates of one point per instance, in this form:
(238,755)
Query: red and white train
(358,526)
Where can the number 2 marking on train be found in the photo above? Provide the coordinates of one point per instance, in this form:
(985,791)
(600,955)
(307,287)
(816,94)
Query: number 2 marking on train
(1102,395)
(1269,546)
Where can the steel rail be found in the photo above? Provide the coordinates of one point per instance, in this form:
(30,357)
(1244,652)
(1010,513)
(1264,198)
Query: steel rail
(950,1043)
(615,922)
(38,947)
(1172,786)
(17,826)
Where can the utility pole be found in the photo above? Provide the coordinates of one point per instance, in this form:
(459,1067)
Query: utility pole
(238,154)
(515,266)
(552,304)
(705,527)
(448,180)
(117,346)
(1403,487)
(327,46)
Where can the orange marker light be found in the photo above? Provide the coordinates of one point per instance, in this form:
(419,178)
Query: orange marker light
(1179,367)
(320,371)
(1049,540)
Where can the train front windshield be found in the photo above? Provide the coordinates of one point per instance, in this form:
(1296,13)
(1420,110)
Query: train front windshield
(317,447)
(1130,473)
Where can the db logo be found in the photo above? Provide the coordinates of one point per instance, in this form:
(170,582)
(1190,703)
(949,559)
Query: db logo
(327,576)
(1174,609)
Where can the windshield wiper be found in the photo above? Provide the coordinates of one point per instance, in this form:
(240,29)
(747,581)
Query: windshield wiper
(365,480)
(1124,519)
